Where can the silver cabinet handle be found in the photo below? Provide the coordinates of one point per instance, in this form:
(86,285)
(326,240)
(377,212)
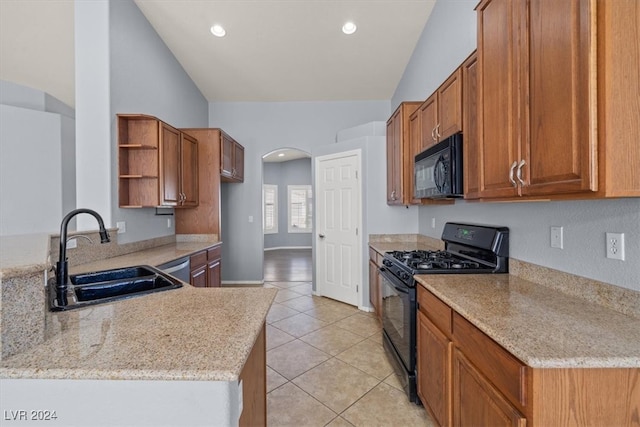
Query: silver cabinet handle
(438,131)
(519,172)
(511,170)
(393,195)
(433,134)
(321,236)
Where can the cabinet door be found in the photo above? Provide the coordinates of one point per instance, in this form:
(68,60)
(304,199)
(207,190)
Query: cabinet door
(434,370)
(238,162)
(559,125)
(213,273)
(429,121)
(497,98)
(450,106)
(476,402)
(470,127)
(189,170)
(394,192)
(169,165)
(415,136)
(226,156)
(199,277)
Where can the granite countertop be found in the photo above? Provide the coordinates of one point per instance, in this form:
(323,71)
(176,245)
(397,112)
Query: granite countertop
(23,254)
(153,256)
(541,326)
(183,334)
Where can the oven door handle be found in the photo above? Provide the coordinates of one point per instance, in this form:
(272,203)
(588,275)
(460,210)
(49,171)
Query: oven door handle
(397,284)
(401,290)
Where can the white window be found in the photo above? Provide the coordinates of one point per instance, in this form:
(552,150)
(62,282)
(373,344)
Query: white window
(299,203)
(269,209)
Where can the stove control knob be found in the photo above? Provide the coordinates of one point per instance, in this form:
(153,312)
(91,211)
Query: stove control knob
(386,262)
(406,276)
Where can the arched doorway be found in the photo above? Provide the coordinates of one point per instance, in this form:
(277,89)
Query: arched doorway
(287,206)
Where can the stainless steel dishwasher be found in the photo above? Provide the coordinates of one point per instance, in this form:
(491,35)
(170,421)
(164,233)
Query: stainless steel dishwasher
(179,268)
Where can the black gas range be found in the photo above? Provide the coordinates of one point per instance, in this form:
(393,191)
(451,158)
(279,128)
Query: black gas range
(469,249)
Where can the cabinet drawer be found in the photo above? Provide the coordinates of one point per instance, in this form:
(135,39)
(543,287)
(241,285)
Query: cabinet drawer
(198,259)
(372,254)
(437,311)
(214,253)
(375,257)
(506,372)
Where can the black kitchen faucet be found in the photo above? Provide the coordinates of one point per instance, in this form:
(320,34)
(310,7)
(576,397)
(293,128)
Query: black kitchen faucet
(62,266)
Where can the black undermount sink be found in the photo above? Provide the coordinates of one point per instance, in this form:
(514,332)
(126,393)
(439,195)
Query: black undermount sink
(112,285)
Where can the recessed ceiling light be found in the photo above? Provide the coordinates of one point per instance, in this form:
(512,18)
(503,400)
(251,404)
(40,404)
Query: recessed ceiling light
(281,155)
(218,31)
(349,28)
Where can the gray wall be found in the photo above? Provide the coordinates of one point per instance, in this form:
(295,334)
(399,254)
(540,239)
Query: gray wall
(437,54)
(144,77)
(282,174)
(262,127)
(37,160)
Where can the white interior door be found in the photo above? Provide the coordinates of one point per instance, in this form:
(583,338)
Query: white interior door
(338,221)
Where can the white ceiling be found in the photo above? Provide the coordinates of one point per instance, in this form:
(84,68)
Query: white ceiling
(274,50)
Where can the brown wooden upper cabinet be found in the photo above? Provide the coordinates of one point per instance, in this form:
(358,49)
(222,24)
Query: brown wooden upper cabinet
(441,113)
(399,160)
(231,160)
(470,126)
(158,164)
(545,110)
(204,219)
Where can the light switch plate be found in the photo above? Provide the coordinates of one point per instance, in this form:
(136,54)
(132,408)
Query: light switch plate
(122,227)
(557,237)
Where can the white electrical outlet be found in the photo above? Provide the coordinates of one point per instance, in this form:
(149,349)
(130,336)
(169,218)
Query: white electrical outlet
(122,227)
(557,240)
(72,243)
(168,222)
(615,246)
(250,218)
(433,223)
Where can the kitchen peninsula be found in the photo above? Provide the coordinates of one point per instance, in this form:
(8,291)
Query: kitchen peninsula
(189,356)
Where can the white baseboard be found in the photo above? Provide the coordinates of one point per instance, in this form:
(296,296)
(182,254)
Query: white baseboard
(287,247)
(242,282)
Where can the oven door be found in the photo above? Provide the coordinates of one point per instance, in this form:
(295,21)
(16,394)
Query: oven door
(399,317)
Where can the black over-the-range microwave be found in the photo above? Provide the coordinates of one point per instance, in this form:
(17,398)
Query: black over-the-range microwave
(438,170)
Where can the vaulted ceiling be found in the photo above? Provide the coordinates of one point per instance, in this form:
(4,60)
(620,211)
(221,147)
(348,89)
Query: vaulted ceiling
(274,50)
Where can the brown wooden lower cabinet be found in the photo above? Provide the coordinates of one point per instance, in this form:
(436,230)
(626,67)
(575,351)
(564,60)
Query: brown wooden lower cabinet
(434,361)
(214,263)
(375,294)
(206,267)
(476,402)
(254,385)
(198,263)
(465,379)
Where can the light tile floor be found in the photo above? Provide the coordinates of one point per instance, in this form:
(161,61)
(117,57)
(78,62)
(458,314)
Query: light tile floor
(326,366)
